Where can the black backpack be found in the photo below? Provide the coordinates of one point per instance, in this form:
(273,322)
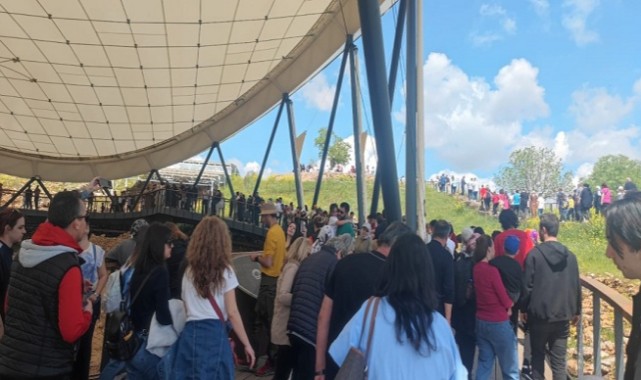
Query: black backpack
(121,340)
(463,281)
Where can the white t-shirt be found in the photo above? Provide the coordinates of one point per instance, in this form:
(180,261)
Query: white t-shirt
(93,258)
(451,246)
(199,308)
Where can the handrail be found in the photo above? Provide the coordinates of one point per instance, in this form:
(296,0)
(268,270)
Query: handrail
(611,296)
(622,309)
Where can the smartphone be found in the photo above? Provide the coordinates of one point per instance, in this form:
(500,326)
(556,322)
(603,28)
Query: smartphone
(105,183)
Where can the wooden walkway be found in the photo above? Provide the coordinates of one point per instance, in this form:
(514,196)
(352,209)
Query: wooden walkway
(240,375)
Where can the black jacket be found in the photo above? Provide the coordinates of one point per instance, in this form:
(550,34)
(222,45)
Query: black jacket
(552,284)
(308,291)
(633,349)
(33,346)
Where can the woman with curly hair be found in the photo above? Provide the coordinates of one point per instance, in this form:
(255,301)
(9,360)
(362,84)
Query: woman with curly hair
(203,350)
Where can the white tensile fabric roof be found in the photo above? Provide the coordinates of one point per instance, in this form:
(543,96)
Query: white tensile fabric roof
(117,88)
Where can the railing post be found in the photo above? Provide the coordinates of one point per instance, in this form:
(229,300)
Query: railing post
(596,333)
(618,344)
(579,346)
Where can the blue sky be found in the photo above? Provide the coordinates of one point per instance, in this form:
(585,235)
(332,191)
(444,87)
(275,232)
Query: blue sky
(499,75)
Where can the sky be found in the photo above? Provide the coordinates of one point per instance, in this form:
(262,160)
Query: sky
(498,76)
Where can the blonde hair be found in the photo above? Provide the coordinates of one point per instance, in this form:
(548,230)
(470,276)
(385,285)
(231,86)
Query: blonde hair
(299,250)
(209,254)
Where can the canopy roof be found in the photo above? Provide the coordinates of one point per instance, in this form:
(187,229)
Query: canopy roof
(117,88)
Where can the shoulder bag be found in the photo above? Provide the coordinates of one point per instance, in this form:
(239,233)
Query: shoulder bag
(355,365)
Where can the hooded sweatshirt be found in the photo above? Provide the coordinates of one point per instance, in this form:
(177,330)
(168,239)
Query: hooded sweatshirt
(47,242)
(552,285)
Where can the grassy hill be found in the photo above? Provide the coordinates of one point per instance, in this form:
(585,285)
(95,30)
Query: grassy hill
(586,240)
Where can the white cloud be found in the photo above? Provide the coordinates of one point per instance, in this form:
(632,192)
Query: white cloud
(318,93)
(575,20)
(249,167)
(583,171)
(485,39)
(370,158)
(472,125)
(541,7)
(492,10)
(490,33)
(589,147)
(596,109)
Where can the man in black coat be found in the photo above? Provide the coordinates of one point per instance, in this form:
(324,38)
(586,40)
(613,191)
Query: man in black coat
(552,298)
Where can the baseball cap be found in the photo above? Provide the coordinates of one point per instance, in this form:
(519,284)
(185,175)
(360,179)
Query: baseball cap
(512,245)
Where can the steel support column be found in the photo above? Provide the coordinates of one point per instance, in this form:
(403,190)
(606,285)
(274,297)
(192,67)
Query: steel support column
(269,146)
(292,138)
(202,168)
(17,193)
(332,116)
(144,187)
(369,12)
(44,188)
(410,119)
(420,130)
(227,177)
(396,52)
(358,128)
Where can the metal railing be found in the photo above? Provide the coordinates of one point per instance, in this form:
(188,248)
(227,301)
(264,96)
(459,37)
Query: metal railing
(622,309)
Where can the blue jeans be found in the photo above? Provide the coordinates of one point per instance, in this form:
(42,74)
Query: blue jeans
(113,368)
(201,352)
(143,365)
(496,339)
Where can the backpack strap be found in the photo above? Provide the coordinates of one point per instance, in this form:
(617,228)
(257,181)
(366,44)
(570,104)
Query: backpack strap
(142,285)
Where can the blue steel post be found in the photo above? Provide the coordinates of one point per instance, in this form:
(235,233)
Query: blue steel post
(292,138)
(227,177)
(410,123)
(202,168)
(369,12)
(269,146)
(332,116)
(396,52)
(358,128)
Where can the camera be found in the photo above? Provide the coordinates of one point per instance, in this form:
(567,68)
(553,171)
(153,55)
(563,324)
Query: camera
(105,183)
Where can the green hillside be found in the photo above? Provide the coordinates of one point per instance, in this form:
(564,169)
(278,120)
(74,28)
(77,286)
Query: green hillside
(586,240)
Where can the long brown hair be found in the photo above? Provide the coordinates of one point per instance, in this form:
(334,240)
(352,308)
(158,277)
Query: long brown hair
(209,254)
(483,243)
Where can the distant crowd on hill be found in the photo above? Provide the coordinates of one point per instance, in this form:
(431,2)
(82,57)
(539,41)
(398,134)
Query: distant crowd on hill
(576,204)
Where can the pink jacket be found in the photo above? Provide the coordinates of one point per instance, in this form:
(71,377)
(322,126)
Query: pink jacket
(606,196)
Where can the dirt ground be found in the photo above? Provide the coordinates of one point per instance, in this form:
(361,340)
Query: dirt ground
(96,352)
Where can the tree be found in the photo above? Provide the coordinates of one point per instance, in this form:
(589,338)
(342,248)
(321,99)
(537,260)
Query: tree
(614,169)
(534,169)
(338,152)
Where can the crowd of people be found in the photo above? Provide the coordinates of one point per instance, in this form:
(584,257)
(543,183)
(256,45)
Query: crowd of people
(418,308)
(573,205)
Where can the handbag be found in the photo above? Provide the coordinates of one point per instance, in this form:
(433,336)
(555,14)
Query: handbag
(121,341)
(355,365)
